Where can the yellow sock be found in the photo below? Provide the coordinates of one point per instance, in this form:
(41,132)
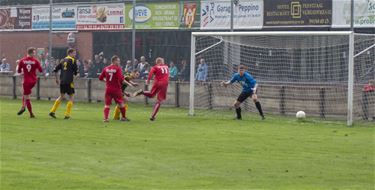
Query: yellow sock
(126,106)
(116,113)
(69,106)
(55,106)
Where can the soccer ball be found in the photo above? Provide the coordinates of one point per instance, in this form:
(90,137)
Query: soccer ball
(300,115)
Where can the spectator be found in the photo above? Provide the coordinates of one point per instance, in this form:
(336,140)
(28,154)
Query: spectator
(135,63)
(4,67)
(184,71)
(97,65)
(123,65)
(128,67)
(86,65)
(105,62)
(146,71)
(172,71)
(143,67)
(81,69)
(91,70)
(50,65)
(202,71)
(47,65)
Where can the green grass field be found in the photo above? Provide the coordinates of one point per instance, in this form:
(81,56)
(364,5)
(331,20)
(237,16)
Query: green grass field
(180,152)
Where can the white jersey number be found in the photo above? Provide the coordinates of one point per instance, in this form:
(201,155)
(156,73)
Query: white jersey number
(28,67)
(110,76)
(164,70)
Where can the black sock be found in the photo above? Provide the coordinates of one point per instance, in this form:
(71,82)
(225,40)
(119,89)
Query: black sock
(259,107)
(238,111)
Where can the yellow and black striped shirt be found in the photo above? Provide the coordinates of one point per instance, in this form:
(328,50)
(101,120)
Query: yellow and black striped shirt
(68,69)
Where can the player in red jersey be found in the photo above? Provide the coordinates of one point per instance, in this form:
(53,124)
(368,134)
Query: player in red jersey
(113,77)
(160,86)
(28,66)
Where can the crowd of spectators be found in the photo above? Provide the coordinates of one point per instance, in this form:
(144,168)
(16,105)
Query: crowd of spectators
(178,71)
(91,69)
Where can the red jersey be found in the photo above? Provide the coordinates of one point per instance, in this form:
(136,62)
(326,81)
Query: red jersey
(161,73)
(113,77)
(29,65)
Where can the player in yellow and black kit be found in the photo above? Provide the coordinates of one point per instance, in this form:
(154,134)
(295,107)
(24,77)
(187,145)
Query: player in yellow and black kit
(127,82)
(68,69)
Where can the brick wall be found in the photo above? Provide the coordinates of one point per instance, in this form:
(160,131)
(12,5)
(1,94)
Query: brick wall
(13,45)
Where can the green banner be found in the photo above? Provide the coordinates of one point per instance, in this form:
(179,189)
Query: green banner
(153,16)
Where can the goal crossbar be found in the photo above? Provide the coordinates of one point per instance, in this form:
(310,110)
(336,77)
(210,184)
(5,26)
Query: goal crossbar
(280,33)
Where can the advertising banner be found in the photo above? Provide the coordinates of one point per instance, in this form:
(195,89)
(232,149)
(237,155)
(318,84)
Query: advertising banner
(15,18)
(189,15)
(248,14)
(153,16)
(364,14)
(297,13)
(101,17)
(63,17)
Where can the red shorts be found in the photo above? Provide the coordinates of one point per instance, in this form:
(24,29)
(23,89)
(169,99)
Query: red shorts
(27,87)
(115,95)
(159,88)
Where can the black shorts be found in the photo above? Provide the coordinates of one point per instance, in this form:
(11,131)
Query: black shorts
(67,88)
(244,95)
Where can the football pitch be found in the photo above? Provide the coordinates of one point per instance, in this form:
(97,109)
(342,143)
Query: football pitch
(180,152)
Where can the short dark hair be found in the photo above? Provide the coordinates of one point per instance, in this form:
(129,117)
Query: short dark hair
(241,67)
(70,50)
(31,50)
(114,58)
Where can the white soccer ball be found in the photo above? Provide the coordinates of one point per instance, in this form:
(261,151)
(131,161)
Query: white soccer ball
(300,115)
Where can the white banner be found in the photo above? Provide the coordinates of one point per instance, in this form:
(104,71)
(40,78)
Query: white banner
(63,17)
(364,13)
(101,17)
(248,14)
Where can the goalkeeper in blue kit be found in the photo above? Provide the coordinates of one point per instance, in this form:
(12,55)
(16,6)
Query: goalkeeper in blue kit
(249,88)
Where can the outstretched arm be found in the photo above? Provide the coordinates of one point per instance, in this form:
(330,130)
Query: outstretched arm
(127,83)
(225,83)
(232,80)
(133,83)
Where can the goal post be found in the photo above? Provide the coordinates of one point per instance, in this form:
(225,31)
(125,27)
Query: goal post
(330,65)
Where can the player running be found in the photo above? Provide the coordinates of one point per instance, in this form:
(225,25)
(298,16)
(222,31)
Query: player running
(68,69)
(28,66)
(128,79)
(160,86)
(249,88)
(112,75)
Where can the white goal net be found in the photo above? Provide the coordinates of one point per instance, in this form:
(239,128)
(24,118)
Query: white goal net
(309,71)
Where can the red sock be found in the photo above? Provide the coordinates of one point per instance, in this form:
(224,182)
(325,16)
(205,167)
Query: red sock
(28,105)
(156,109)
(148,94)
(106,113)
(23,102)
(123,112)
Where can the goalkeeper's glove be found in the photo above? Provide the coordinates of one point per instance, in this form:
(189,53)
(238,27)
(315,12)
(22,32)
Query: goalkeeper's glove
(222,83)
